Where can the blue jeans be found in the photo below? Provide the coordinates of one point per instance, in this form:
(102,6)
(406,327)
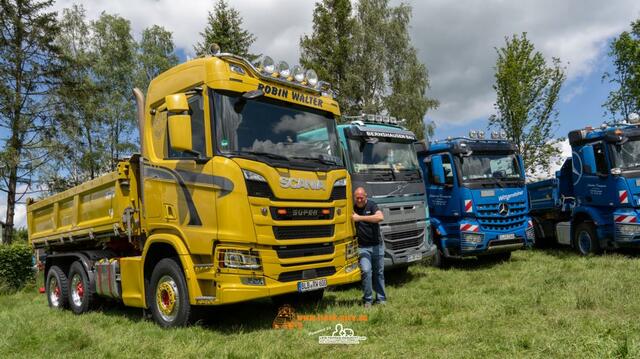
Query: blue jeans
(372,268)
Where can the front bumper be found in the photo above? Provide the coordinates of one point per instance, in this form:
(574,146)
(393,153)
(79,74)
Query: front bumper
(493,243)
(230,288)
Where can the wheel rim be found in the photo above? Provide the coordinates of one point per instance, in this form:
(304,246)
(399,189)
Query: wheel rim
(584,242)
(167,298)
(77,290)
(54,292)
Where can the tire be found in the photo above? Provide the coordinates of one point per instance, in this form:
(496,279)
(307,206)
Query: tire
(56,288)
(167,295)
(585,239)
(80,293)
(439,260)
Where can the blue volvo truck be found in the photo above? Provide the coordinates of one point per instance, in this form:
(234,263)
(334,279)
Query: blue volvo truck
(477,197)
(593,202)
(380,157)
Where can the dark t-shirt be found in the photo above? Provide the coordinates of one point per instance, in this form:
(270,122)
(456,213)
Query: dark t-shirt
(368,233)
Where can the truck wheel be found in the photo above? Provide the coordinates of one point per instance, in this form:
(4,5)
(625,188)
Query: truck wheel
(585,239)
(56,288)
(168,297)
(79,289)
(439,260)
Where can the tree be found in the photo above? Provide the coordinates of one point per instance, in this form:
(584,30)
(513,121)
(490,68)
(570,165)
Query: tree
(329,50)
(80,145)
(369,60)
(114,69)
(625,51)
(224,27)
(156,54)
(527,91)
(29,66)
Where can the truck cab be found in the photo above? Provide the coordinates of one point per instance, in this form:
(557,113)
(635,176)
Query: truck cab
(477,197)
(380,158)
(226,202)
(594,200)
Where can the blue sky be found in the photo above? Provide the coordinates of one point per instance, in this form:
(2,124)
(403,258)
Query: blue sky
(580,104)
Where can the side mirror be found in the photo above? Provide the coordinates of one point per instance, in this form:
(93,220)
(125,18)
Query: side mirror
(437,170)
(179,122)
(589,160)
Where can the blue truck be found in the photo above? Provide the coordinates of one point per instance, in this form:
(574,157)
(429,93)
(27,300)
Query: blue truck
(477,196)
(380,157)
(593,202)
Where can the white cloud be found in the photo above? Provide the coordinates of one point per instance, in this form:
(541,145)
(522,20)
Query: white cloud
(455,39)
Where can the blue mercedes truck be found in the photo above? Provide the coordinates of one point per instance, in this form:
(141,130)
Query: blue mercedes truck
(380,157)
(477,197)
(593,202)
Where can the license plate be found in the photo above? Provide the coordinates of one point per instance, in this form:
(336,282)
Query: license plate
(414,257)
(310,285)
(503,237)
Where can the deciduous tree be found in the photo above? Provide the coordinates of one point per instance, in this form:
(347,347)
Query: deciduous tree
(527,90)
(625,51)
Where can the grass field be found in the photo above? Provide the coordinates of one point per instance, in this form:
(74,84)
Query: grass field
(540,304)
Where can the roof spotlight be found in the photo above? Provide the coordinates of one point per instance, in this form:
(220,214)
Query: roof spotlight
(495,135)
(312,77)
(481,134)
(503,134)
(267,65)
(298,73)
(284,70)
(473,134)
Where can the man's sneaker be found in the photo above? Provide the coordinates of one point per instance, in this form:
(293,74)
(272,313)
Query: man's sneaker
(366,305)
(380,302)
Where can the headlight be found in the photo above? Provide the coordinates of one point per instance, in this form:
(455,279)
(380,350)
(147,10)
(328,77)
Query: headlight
(351,250)
(238,259)
(252,176)
(627,229)
(351,267)
(473,237)
(340,183)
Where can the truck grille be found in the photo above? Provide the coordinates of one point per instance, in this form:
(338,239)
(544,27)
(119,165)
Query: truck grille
(304,250)
(298,232)
(490,219)
(403,240)
(306,274)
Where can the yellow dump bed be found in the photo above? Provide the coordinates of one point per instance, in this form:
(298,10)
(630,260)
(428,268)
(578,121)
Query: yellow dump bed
(94,211)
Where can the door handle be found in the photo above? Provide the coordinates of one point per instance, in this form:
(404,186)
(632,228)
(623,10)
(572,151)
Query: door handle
(169,212)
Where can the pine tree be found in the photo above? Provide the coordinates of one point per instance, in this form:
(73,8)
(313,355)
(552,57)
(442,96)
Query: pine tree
(224,27)
(29,67)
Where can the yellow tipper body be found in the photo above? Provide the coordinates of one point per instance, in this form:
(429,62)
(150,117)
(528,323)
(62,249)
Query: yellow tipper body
(156,206)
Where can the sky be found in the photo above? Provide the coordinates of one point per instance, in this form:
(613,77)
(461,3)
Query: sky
(456,40)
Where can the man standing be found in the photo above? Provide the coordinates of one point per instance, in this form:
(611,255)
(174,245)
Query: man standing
(367,217)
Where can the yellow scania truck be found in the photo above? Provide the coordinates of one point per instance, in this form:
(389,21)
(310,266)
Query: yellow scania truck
(224,204)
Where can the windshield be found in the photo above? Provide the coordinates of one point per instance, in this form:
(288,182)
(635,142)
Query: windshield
(627,155)
(371,154)
(269,128)
(481,166)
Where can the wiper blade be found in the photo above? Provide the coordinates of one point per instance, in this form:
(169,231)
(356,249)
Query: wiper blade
(264,154)
(317,159)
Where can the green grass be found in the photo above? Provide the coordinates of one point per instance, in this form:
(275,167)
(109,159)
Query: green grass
(540,304)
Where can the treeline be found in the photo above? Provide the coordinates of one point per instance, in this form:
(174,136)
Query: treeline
(65,81)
